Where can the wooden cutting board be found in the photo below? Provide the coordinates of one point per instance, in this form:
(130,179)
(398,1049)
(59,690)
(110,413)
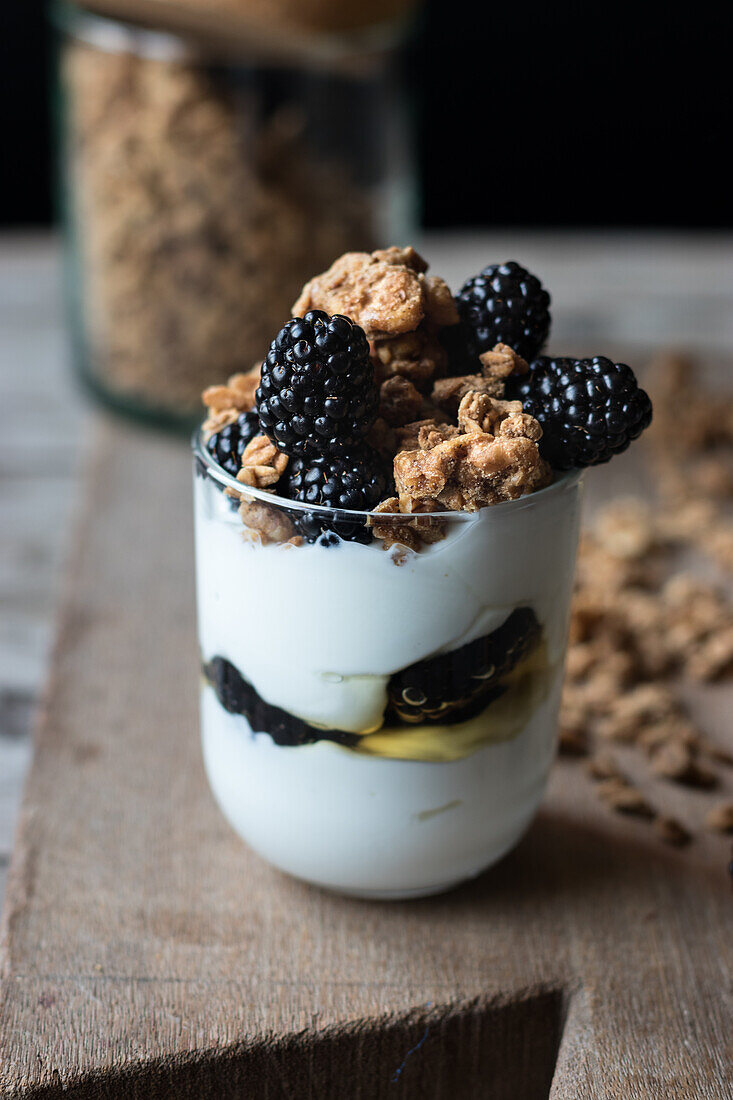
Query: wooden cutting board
(147,953)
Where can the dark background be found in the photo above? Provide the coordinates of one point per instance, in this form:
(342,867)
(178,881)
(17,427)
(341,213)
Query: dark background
(531,114)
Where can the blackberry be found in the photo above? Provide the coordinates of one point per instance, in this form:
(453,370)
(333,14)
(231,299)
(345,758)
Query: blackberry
(455,686)
(354,481)
(317,393)
(227,445)
(505,304)
(589,409)
(238,696)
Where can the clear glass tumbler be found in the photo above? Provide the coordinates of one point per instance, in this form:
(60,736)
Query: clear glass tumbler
(380,722)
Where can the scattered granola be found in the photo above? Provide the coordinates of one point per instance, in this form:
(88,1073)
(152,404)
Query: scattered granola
(636,709)
(720,818)
(669,732)
(676,760)
(626,530)
(671,831)
(716,753)
(603,766)
(621,795)
(640,624)
(713,657)
(573,738)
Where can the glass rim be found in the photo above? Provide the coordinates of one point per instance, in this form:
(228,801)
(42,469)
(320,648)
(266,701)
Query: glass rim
(565,479)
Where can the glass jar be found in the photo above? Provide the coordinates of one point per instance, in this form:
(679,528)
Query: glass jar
(199,192)
(380,722)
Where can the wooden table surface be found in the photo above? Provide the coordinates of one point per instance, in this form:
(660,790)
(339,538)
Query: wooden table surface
(620,288)
(610,290)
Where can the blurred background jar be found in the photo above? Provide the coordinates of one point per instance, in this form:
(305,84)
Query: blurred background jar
(209,168)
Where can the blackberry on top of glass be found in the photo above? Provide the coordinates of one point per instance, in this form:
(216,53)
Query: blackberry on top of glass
(211,160)
(387,513)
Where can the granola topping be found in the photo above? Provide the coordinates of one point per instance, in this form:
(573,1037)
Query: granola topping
(399,401)
(472,470)
(479,413)
(267,523)
(386,293)
(226,402)
(502,362)
(425,434)
(262,464)
(418,356)
(413,533)
(448,392)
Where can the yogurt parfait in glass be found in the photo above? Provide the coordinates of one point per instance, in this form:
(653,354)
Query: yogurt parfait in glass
(387,515)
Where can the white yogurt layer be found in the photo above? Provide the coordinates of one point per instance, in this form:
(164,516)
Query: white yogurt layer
(319,630)
(370,826)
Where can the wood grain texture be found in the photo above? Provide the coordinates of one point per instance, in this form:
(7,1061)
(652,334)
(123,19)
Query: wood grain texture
(41,439)
(147,953)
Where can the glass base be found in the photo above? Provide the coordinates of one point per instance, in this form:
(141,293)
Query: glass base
(416,892)
(353,825)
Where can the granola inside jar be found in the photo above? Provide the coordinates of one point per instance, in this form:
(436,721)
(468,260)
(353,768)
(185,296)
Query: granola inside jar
(200,189)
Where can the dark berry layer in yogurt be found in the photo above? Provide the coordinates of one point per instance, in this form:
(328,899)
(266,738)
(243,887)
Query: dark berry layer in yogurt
(447,690)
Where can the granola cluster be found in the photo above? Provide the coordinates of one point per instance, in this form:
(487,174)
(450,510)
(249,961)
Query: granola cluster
(643,626)
(412,532)
(262,464)
(400,401)
(497,367)
(472,468)
(400,308)
(387,292)
(469,449)
(267,524)
(224,403)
